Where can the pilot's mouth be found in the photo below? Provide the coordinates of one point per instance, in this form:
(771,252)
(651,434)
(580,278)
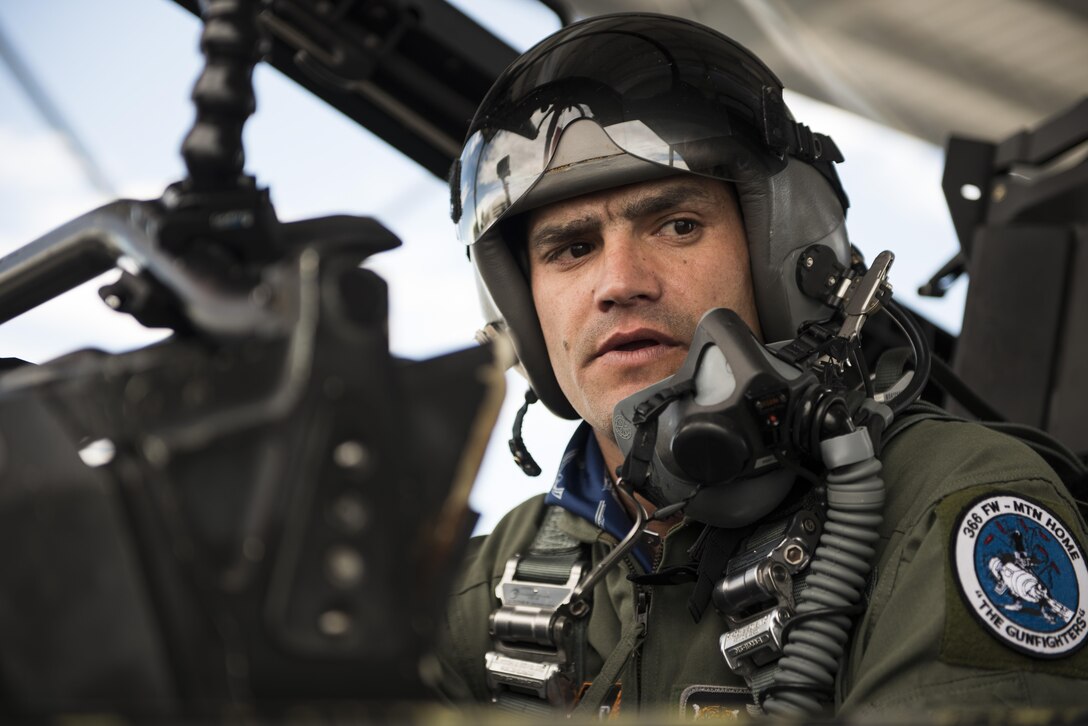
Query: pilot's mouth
(637,345)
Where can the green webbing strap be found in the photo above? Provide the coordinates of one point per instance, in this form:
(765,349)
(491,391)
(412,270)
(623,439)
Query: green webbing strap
(553,553)
(890,367)
(760,681)
(547,567)
(550,537)
(520,703)
(630,637)
(550,558)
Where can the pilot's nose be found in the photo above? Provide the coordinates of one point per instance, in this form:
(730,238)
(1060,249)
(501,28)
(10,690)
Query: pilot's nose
(627,273)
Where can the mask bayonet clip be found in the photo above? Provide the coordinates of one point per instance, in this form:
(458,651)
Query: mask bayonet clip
(864,296)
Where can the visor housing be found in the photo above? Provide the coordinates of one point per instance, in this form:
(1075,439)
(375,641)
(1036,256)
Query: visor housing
(684,98)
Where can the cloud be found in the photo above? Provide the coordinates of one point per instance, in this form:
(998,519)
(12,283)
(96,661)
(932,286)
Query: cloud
(42,187)
(34,159)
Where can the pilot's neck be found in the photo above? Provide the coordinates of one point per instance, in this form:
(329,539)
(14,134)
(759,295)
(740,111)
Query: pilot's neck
(613,459)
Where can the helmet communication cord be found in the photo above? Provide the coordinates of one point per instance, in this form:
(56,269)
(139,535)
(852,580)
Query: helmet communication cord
(521,454)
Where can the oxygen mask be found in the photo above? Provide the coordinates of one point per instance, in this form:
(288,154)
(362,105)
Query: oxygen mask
(715,434)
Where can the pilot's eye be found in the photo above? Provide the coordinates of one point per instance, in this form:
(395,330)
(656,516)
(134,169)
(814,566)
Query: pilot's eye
(579,249)
(682,226)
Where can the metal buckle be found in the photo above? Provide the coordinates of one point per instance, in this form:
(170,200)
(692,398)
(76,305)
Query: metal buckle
(532,634)
(543,680)
(755,642)
(768,579)
(512,591)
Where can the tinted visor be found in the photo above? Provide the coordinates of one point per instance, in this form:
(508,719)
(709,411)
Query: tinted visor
(664,90)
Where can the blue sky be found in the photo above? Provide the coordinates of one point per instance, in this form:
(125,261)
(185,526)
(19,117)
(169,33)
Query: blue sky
(120,72)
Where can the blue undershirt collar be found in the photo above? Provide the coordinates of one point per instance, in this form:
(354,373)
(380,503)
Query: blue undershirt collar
(582,487)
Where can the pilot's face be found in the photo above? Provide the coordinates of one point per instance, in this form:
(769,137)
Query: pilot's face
(620,278)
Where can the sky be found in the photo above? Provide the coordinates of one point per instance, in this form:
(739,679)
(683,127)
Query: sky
(120,73)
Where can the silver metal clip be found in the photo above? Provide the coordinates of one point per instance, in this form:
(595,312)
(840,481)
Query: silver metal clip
(863,296)
(766,581)
(755,642)
(514,592)
(525,676)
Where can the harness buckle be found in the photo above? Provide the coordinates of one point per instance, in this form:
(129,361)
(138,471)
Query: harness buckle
(543,680)
(533,633)
(765,573)
(755,642)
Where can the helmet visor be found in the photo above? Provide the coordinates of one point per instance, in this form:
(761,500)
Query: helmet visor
(663,90)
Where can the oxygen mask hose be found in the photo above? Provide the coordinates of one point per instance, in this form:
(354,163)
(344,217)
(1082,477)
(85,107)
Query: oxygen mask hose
(816,636)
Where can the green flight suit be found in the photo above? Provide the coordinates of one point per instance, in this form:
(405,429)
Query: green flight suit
(916,646)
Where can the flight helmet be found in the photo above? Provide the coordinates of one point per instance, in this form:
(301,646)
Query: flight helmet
(625,98)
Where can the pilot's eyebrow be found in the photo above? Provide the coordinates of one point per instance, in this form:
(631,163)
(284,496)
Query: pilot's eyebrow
(671,197)
(555,233)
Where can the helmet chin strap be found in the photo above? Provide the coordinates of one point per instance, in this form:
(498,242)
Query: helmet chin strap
(522,457)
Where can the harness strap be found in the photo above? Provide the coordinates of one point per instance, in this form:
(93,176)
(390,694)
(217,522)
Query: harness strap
(630,637)
(890,367)
(552,550)
(720,546)
(515,673)
(548,566)
(538,648)
(514,702)
(757,549)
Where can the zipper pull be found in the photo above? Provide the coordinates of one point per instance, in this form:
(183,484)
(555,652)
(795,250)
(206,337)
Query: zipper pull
(642,608)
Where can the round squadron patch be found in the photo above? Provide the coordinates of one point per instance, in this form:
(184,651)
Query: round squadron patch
(1022,575)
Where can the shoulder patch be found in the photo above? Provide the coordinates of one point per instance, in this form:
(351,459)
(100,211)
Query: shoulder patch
(716,703)
(1022,574)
